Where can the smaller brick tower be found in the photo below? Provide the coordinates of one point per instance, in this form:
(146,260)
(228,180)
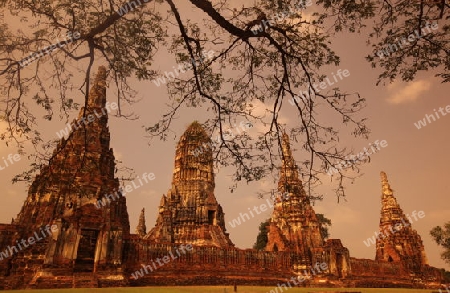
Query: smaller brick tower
(141,229)
(294,225)
(398,241)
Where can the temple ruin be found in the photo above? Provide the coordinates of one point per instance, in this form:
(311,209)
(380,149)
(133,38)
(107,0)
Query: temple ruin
(90,246)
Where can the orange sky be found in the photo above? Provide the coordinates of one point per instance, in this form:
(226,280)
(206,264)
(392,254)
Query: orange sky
(415,160)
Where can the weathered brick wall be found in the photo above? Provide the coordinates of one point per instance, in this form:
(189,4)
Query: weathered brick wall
(372,268)
(372,273)
(379,274)
(207,265)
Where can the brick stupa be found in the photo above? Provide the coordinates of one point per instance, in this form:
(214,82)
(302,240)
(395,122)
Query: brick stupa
(190,213)
(294,225)
(80,172)
(398,241)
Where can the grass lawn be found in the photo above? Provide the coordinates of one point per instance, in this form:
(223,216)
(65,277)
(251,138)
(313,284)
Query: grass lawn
(222,289)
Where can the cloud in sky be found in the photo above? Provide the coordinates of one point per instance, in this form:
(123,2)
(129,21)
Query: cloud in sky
(410,92)
(265,110)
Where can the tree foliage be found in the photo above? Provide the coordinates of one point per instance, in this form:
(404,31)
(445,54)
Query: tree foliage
(290,52)
(324,224)
(441,235)
(261,239)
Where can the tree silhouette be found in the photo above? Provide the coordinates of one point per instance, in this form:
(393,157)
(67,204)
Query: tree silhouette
(442,238)
(265,54)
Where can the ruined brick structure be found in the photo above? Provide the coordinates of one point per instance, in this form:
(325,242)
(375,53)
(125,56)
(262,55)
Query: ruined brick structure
(294,225)
(80,172)
(141,228)
(399,251)
(190,213)
(91,246)
(398,241)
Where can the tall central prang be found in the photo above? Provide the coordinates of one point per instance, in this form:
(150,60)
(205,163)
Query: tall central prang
(190,213)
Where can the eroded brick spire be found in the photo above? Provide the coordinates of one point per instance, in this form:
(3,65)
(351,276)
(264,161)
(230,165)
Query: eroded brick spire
(396,240)
(66,192)
(82,168)
(97,93)
(141,229)
(294,225)
(289,183)
(193,160)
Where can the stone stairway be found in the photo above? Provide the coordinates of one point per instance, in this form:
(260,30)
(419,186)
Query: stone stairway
(84,280)
(47,282)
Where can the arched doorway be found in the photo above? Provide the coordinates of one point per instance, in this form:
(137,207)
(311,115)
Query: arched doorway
(86,251)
